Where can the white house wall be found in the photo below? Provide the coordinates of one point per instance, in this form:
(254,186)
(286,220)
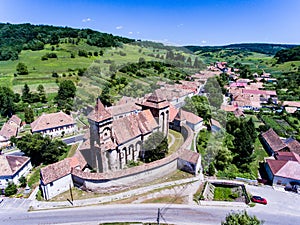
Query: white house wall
(57,187)
(283,181)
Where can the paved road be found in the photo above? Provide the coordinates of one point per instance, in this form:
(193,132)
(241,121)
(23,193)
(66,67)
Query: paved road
(14,204)
(174,214)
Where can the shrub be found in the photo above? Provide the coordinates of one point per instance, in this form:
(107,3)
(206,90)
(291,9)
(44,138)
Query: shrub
(11,189)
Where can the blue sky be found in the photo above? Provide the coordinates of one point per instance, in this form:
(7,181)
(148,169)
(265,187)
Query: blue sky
(179,22)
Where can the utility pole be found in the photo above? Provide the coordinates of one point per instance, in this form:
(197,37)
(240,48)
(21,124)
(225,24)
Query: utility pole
(158,216)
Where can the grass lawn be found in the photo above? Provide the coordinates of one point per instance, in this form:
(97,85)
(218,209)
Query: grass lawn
(177,143)
(259,154)
(224,194)
(34,177)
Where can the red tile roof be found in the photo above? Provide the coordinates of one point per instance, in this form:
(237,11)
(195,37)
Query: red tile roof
(52,120)
(275,165)
(123,108)
(291,103)
(10,164)
(273,140)
(156,100)
(287,156)
(56,171)
(294,146)
(62,168)
(172,112)
(191,117)
(290,170)
(259,92)
(180,115)
(99,113)
(132,126)
(8,130)
(190,156)
(15,119)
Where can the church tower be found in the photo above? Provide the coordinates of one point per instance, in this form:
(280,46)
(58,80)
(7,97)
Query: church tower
(100,121)
(159,108)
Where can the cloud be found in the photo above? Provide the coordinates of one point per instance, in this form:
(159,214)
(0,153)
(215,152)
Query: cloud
(180,25)
(203,42)
(119,27)
(86,20)
(130,32)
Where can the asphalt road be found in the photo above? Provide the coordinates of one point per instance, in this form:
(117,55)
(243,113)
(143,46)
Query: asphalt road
(282,209)
(174,214)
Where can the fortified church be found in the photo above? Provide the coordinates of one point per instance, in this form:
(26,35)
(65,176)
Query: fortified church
(113,142)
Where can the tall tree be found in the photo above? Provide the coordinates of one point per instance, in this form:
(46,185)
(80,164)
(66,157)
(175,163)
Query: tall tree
(26,94)
(42,93)
(29,115)
(40,149)
(7,104)
(65,95)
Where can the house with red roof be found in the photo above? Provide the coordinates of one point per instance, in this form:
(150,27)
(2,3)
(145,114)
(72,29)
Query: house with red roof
(54,124)
(57,178)
(12,168)
(284,170)
(8,130)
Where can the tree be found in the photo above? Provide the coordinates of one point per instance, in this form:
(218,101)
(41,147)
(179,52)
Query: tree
(223,158)
(155,147)
(29,115)
(26,94)
(214,92)
(67,89)
(22,69)
(40,149)
(7,104)
(41,93)
(65,95)
(211,169)
(11,189)
(243,142)
(241,218)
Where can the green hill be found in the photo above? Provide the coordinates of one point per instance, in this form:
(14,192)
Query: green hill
(80,56)
(17,37)
(263,48)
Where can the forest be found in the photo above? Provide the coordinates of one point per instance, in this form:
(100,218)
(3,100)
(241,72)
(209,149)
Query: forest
(17,37)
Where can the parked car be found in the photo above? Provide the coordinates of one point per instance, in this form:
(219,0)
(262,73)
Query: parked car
(259,199)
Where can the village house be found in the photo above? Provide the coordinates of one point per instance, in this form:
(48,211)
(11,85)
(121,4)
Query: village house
(8,130)
(56,178)
(54,124)
(284,170)
(12,168)
(184,117)
(274,144)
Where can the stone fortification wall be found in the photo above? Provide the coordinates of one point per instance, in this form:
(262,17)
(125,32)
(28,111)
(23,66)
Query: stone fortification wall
(144,173)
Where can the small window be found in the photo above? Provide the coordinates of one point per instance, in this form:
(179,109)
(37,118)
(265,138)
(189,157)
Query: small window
(51,184)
